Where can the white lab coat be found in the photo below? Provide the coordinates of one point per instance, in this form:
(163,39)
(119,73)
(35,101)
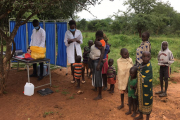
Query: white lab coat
(70,47)
(38,38)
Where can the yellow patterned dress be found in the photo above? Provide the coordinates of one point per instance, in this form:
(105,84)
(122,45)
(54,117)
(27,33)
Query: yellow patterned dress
(144,89)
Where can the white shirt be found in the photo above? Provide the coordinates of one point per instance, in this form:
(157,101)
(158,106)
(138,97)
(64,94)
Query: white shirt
(95,53)
(70,47)
(38,38)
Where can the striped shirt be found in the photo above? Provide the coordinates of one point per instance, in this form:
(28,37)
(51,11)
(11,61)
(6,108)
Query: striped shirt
(77,70)
(110,72)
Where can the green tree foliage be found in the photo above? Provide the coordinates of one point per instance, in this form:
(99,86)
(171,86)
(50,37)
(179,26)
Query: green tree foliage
(67,10)
(91,25)
(82,24)
(162,16)
(120,24)
(103,24)
(141,15)
(141,10)
(175,23)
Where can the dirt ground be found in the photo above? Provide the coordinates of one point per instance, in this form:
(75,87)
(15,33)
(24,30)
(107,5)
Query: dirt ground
(65,104)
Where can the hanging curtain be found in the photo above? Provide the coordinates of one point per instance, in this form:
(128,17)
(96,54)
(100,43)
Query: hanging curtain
(30,29)
(41,24)
(62,56)
(20,38)
(50,42)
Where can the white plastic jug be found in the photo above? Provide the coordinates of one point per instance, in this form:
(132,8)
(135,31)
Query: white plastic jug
(29,89)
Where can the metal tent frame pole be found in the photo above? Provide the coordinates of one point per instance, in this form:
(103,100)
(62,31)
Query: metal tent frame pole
(55,41)
(67,64)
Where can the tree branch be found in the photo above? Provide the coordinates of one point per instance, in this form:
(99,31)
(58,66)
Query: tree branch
(4,15)
(7,9)
(86,9)
(27,19)
(23,10)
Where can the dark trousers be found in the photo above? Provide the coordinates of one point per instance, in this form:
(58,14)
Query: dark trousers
(164,73)
(35,68)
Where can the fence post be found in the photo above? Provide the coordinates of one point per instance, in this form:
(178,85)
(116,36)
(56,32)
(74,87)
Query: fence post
(27,36)
(44,25)
(55,42)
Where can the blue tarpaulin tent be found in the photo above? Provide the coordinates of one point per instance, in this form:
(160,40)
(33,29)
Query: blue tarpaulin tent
(21,41)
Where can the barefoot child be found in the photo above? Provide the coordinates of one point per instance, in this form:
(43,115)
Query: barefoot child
(132,98)
(105,59)
(124,64)
(105,66)
(165,59)
(145,46)
(111,75)
(144,87)
(90,43)
(78,70)
(96,55)
(86,58)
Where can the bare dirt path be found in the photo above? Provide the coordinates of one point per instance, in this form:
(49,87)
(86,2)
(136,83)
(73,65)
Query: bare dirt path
(65,104)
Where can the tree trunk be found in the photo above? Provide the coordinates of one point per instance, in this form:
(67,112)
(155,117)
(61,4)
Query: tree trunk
(140,32)
(2,75)
(4,59)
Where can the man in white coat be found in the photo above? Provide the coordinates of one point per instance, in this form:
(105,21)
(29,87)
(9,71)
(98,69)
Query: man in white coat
(37,39)
(73,39)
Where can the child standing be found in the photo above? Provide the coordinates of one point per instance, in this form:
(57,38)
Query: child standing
(105,67)
(144,87)
(165,59)
(86,56)
(145,46)
(105,59)
(124,64)
(78,70)
(111,75)
(85,59)
(132,98)
(96,55)
(90,43)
